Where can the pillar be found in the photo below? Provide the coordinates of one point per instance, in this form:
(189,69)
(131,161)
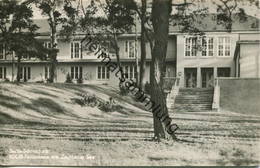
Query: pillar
(198,77)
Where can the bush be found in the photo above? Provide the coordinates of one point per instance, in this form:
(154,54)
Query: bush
(123,90)
(90,100)
(79,80)
(68,78)
(109,106)
(48,80)
(106,107)
(7,80)
(86,100)
(41,81)
(147,88)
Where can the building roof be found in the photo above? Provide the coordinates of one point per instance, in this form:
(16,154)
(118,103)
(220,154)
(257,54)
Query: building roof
(206,23)
(209,23)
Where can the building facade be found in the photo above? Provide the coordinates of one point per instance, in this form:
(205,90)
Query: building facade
(196,60)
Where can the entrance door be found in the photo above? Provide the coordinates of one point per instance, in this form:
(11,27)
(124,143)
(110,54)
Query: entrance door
(207,79)
(190,77)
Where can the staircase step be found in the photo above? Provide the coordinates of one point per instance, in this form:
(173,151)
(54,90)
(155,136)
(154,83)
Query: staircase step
(192,100)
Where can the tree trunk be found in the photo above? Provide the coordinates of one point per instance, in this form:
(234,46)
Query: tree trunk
(117,55)
(161,10)
(143,47)
(54,44)
(18,69)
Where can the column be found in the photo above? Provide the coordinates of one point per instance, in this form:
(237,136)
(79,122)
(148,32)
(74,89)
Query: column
(215,72)
(198,77)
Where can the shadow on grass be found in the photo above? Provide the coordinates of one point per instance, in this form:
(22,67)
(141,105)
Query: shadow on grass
(10,102)
(43,93)
(7,119)
(45,106)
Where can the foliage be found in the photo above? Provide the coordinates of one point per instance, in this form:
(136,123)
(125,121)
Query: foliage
(147,87)
(18,31)
(7,80)
(123,90)
(68,78)
(79,80)
(109,106)
(87,100)
(90,100)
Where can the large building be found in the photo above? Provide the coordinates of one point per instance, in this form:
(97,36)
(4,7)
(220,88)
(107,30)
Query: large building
(196,60)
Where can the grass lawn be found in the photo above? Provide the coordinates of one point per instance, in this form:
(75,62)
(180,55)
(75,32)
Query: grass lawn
(41,125)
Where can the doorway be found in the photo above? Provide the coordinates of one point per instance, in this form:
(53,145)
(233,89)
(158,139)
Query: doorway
(190,77)
(207,79)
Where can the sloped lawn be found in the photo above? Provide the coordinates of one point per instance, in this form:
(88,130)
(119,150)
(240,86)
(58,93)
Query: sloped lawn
(45,118)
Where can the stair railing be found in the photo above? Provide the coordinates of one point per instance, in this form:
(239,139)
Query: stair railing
(173,91)
(216,96)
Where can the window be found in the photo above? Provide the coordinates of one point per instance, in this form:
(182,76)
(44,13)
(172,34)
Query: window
(75,50)
(130,72)
(223,72)
(103,72)
(190,46)
(224,46)
(2,72)
(46,72)
(25,73)
(76,72)
(130,48)
(207,46)
(47,44)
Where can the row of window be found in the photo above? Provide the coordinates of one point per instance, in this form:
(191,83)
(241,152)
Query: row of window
(206,45)
(192,45)
(103,72)
(25,73)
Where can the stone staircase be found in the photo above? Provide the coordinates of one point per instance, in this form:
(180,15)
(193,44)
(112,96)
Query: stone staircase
(193,100)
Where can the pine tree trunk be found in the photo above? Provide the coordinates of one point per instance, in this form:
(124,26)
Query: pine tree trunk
(143,47)
(161,10)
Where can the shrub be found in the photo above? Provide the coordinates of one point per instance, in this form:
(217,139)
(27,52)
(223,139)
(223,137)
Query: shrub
(48,80)
(147,88)
(86,100)
(79,80)
(106,107)
(68,78)
(123,90)
(109,106)
(41,81)
(90,100)
(7,80)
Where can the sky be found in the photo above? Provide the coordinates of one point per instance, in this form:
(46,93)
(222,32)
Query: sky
(250,9)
